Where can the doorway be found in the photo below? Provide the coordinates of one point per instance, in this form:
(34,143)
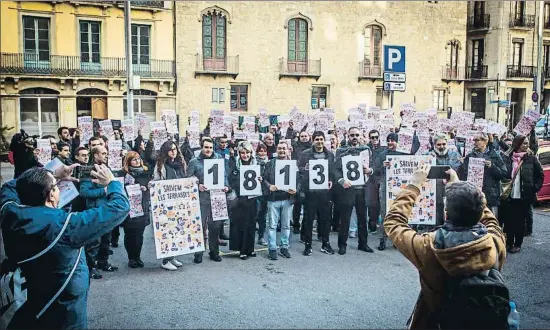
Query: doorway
(478,99)
(92,102)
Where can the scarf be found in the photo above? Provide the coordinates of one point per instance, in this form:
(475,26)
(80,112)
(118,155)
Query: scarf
(240,162)
(516,159)
(176,166)
(135,171)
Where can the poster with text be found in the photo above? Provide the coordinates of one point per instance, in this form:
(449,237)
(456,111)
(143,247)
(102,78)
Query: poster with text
(141,122)
(135,196)
(194,136)
(263,118)
(43,151)
(194,119)
(86,126)
(398,177)
(218,203)
(160,135)
(115,155)
(405,137)
(217,128)
(476,169)
(170,119)
(127,128)
(529,120)
(106,127)
(176,215)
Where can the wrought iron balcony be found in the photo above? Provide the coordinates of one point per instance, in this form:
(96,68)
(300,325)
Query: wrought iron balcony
(66,66)
(522,21)
(520,71)
(146,3)
(476,72)
(367,71)
(227,66)
(299,69)
(479,22)
(449,73)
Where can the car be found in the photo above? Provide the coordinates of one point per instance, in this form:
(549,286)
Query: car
(540,128)
(543,154)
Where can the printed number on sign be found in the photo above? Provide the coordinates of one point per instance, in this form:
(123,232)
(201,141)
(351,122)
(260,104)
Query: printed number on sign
(352,168)
(285,174)
(286,171)
(318,172)
(250,181)
(320,175)
(249,184)
(214,173)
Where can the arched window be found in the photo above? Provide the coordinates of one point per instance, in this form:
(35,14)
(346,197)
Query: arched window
(39,111)
(214,40)
(297,45)
(373,50)
(92,102)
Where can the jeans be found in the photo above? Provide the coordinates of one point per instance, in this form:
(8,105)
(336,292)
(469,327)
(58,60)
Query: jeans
(279,210)
(133,242)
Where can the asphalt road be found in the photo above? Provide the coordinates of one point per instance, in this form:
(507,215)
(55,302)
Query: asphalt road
(358,290)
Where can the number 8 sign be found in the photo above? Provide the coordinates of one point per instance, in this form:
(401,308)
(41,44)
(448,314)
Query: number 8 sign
(248,178)
(352,170)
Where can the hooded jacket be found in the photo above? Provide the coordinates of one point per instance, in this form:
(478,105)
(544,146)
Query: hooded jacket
(437,256)
(29,230)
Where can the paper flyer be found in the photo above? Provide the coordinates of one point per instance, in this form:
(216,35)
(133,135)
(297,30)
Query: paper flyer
(476,169)
(127,128)
(218,203)
(43,151)
(115,155)
(86,126)
(170,119)
(135,196)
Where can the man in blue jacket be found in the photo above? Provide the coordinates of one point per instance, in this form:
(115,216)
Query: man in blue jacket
(32,228)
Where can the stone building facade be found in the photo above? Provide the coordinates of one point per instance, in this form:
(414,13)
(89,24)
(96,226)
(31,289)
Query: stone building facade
(245,55)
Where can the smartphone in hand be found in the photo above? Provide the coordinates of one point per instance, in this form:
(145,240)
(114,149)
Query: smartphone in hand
(438,172)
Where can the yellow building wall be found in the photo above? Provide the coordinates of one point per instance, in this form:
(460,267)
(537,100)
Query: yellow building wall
(257,34)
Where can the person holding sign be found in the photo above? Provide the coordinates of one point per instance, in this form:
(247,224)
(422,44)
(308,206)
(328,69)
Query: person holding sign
(243,178)
(197,169)
(348,167)
(170,166)
(316,180)
(279,202)
(298,149)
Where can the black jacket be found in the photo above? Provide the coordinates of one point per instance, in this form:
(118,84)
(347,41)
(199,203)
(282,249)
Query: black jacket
(144,220)
(299,148)
(342,195)
(307,155)
(491,176)
(531,176)
(268,180)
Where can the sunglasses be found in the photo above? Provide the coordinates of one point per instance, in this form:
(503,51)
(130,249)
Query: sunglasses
(355,135)
(374,137)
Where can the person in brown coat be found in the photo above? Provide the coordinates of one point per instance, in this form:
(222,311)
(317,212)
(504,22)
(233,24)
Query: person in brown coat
(471,241)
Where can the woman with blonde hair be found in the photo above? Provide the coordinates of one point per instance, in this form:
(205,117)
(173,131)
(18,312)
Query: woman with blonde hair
(243,214)
(136,173)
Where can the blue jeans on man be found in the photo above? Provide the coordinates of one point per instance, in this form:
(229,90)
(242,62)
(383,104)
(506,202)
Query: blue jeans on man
(279,210)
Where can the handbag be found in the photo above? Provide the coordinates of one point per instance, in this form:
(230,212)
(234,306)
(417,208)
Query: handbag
(506,186)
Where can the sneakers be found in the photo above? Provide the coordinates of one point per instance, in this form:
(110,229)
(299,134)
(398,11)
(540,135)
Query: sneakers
(168,266)
(284,253)
(326,248)
(94,274)
(365,248)
(176,262)
(272,255)
(352,234)
(307,250)
(342,250)
(262,241)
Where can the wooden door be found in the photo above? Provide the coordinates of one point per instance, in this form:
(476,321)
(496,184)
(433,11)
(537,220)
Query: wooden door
(99,108)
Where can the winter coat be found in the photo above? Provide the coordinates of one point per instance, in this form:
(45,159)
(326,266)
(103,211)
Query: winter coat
(436,257)
(29,230)
(531,176)
(345,196)
(196,169)
(268,180)
(143,180)
(491,176)
(299,148)
(379,170)
(303,164)
(94,194)
(168,173)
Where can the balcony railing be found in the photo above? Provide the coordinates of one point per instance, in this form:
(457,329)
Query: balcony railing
(520,71)
(298,69)
(476,72)
(146,3)
(228,66)
(367,71)
(479,22)
(449,73)
(59,65)
(524,21)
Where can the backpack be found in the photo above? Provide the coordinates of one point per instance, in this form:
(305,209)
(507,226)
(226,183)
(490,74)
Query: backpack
(477,301)
(13,291)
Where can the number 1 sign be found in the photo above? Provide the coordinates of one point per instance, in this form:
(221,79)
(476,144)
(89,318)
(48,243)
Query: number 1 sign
(214,173)
(250,186)
(318,174)
(285,174)
(352,170)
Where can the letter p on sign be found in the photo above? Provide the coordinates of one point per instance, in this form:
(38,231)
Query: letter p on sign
(394,58)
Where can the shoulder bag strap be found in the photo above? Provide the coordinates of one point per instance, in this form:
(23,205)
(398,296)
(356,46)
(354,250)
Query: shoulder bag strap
(52,244)
(515,174)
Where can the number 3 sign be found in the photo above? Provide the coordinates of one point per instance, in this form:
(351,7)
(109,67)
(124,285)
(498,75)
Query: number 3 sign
(352,170)
(318,174)
(285,174)
(250,186)
(214,173)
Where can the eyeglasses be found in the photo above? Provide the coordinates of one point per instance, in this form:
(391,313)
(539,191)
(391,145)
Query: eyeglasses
(354,135)
(137,159)
(374,137)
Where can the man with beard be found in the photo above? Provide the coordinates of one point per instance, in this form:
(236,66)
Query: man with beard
(443,156)
(351,197)
(269,141)
(65,137)
(96,196)
(298,149)
(317,202)
(373,185)
(64,154)
(380,166)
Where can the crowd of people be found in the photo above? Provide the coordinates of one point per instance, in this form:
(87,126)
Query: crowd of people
(512,176)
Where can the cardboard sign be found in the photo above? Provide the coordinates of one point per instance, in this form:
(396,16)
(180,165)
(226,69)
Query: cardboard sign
(318,174)
(285,174)
(214,174)
(248,178)
(352,170)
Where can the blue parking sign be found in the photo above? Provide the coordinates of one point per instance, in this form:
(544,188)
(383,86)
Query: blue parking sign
(394,58)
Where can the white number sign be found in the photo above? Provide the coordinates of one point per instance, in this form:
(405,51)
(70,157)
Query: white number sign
(214,173)
(249,184)
(285,174)
(318,174)
(352,169)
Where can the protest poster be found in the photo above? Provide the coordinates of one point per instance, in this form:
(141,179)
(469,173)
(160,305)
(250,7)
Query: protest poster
(170,119)
(398,177)
(160,135)
(127,128)
(284,124)
(176,216)
(86,126)
(385,130)
(194,136)
(476,169)
(67,189)
(214,173)
(525,124)
(469,143)
(318,174)
(217,128)
(115,155)
(43,151)
(405,137)
(141,123)
(106,127)
(228,125)
(218,203)
(194,119)
(216,113)
(424,139)
(263,118)
(240,135)
(135,196)
(249,125)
